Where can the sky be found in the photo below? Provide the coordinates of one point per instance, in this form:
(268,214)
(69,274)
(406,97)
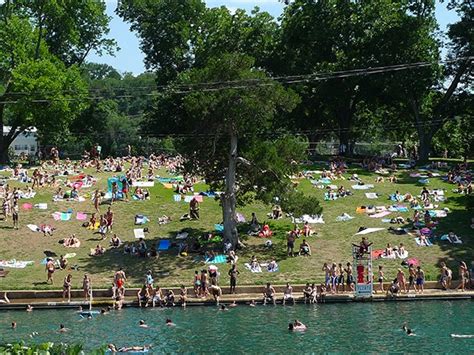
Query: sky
(130,58)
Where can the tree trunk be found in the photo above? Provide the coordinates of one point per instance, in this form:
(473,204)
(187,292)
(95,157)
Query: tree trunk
(4,144)
(228,198)
(425,139)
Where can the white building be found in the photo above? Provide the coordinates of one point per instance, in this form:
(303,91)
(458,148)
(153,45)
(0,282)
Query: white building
(26,142)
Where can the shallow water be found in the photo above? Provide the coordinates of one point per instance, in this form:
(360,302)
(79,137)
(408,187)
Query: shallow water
(356,327)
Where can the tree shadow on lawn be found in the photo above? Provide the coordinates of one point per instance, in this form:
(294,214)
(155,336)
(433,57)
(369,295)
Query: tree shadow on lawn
(167,264)
(458,221)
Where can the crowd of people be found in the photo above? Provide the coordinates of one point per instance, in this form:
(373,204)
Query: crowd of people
(338,277)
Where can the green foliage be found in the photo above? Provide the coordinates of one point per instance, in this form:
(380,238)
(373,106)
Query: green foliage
(42,43)
(43,348)
(247,113)
(50,99)
(298,204)
(166,28)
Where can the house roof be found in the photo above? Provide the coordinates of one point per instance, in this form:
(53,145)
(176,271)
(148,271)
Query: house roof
(7,129)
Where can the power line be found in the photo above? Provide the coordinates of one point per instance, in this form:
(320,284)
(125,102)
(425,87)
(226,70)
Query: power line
(237,84)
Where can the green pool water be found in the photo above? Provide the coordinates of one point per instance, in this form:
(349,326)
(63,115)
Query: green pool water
(341,328)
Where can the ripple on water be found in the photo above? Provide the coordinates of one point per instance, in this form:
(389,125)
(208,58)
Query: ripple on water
(339,328)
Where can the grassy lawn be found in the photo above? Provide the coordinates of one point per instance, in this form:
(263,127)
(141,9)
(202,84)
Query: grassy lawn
(332,243)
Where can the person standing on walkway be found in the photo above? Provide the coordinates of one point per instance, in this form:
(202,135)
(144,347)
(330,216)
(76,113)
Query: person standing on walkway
(233,272)
(86,286)
(67,287)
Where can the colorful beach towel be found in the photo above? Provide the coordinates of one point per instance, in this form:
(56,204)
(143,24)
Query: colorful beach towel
(143,183)
(15,264)
(177,198)
(380,214)
(164,244)
(419,243)
(139,233)
(218,259)
(371,195)
(41,206)
(362,187)
(81,216)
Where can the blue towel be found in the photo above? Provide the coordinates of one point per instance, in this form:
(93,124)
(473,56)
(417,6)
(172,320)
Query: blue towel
(218,259)
(164,244)
(219,227)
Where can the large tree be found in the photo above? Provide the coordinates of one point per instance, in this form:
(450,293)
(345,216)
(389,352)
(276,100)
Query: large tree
(333,36)
(229,132)
(42,44)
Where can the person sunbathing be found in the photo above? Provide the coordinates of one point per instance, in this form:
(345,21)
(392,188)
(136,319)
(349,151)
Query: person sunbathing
(423,240)
(392,179)
(272,266)
(453,238)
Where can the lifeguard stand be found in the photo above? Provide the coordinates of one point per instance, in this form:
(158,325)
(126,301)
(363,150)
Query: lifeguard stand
(364,281)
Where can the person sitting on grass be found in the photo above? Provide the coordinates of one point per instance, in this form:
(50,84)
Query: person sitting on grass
(265,232)
(277,212)
(305,249)
(63,262)
(99,250)
(72,242)
(194,209)
(115,242)
(307,231)
(254,224)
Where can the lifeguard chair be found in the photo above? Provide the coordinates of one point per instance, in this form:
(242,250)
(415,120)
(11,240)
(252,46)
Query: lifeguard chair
(364,281)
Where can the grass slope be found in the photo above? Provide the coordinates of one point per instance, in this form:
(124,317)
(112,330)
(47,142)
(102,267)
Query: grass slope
(332,243)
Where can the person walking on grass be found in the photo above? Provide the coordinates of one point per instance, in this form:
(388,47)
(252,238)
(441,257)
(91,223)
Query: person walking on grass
(15,213)
(50,268)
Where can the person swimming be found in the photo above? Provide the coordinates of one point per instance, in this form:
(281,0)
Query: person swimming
(63,329)
(407,330)
(142,324)
(126,349)
(224,307)
(296,326)
(170,323)
(29,308)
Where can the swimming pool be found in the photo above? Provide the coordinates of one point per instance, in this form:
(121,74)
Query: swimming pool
(360,327)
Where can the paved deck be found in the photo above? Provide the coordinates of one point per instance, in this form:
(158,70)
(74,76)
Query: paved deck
(240,298)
